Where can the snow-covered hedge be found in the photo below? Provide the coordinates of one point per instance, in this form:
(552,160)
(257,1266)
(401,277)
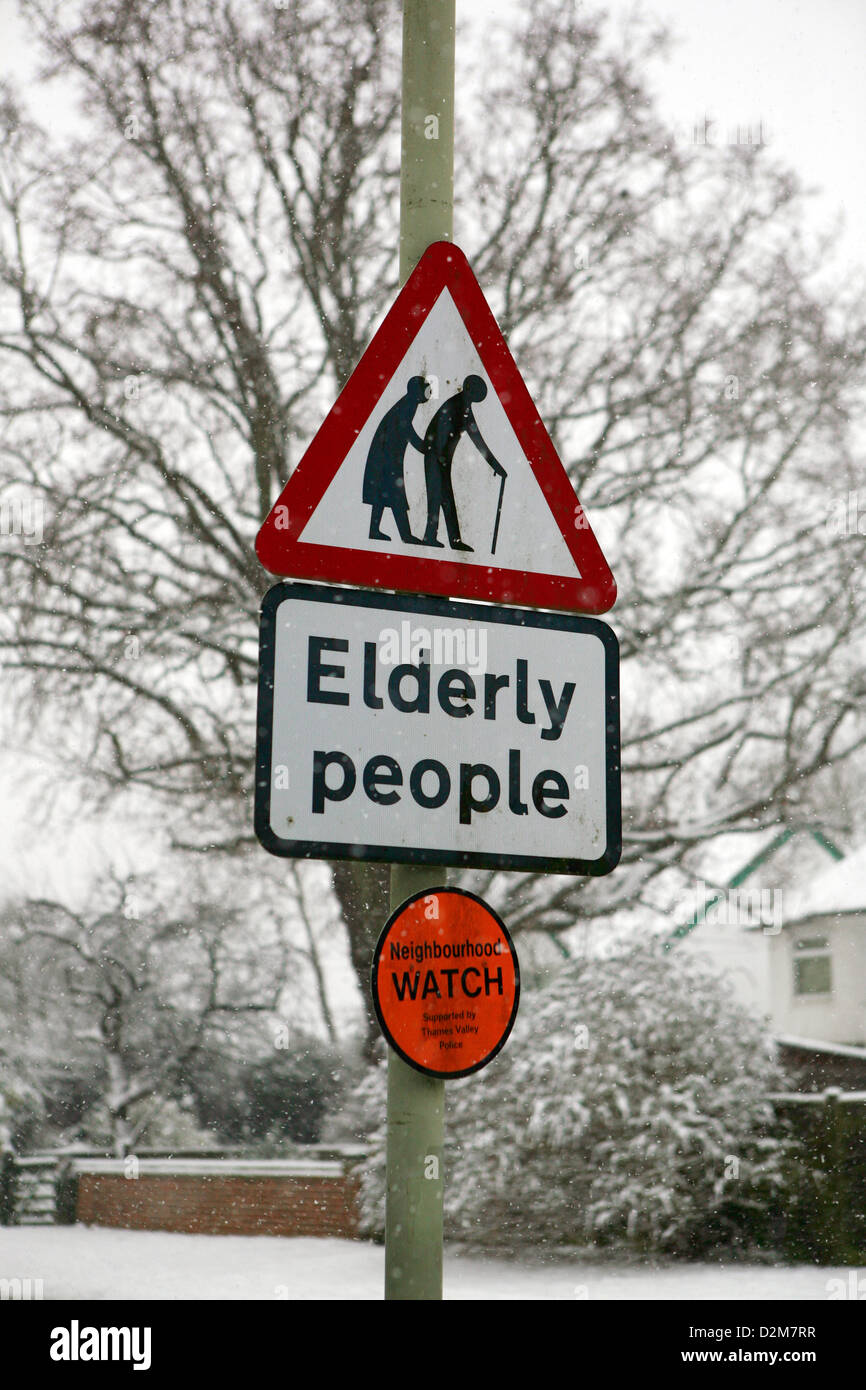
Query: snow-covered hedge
(628,1108)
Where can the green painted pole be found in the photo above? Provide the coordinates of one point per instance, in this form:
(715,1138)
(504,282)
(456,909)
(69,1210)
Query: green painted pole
(427,152)
(416,1103)
(415,1129)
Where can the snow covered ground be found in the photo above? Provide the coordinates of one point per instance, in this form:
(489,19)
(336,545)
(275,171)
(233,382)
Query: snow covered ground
(90,1263)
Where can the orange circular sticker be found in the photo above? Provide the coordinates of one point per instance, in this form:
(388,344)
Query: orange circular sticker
(446,982)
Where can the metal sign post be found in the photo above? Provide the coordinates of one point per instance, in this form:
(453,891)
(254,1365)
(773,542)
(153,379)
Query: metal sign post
(416,1103)
(399,726)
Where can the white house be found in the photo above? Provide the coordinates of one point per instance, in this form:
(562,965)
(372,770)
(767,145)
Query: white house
(790,940)
(818,960)
(730,920)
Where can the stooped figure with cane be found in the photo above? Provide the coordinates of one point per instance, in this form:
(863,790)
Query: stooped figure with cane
(453,419)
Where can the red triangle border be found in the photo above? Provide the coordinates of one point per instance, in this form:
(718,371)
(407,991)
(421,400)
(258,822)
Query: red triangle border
(280,550)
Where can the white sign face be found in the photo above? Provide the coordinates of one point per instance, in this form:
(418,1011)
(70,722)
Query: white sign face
(419,730)
(527,536)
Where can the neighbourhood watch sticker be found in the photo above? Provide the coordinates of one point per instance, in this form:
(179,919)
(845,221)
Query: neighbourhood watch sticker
(446,982)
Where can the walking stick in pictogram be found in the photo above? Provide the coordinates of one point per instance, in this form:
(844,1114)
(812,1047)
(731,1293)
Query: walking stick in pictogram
(498,513)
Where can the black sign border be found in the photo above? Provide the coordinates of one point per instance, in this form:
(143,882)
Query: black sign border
(380,946)
(439,608)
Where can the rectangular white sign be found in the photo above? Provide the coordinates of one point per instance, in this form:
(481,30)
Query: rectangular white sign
(420,730)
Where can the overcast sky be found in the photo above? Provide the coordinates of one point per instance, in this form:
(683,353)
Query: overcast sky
(798,66)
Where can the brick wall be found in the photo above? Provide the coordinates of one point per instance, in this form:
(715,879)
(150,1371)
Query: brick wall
(220,1198)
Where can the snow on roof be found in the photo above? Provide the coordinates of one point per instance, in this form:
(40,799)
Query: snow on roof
(819,1045)
(841,888)
(725,855)
(215,1167)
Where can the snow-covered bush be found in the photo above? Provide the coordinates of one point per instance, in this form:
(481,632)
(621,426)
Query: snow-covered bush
(156,1122)
(276,1097)
(628,1108)
(20,1109)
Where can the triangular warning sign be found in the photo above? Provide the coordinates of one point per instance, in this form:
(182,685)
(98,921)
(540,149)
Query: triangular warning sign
(433,472)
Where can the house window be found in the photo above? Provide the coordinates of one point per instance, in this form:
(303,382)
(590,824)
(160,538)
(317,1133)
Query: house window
(812,974)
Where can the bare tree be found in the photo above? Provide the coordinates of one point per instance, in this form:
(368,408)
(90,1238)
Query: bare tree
(187,283)
(131,995)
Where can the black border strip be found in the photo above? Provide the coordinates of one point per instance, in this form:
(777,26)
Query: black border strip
(380,946)
(438,607)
